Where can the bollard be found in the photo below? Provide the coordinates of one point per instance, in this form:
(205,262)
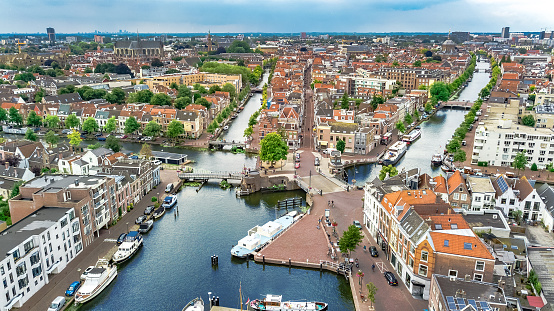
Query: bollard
(320,266)
(263,259)
(289,263)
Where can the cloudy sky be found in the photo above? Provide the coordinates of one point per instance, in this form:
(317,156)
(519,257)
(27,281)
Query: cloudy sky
(182,16)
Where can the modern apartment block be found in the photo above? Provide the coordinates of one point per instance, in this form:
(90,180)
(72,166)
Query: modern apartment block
(41,244)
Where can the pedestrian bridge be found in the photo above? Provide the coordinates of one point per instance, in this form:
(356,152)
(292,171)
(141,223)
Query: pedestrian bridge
(220,144)
(211,175)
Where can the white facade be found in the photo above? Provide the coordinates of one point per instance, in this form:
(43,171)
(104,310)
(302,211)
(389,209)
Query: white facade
(50,243)
(532,206)
(482,193)
(507,202)
(372,206)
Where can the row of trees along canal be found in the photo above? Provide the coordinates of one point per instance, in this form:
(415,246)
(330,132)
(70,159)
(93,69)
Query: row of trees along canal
(254,117)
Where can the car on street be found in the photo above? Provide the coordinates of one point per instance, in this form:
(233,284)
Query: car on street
(66,131)
(316,163)
(357,224)
(169,188)
(373,251)
(141,219)
(149,210)
(87,270)
(98,134)
(57,304)
(72,288)
(121,238)
(391,279)
(297,165)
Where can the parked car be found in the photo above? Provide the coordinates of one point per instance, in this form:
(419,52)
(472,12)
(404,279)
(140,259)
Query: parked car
(149,210)
(98,134)
(72,288)
(101,138)
(141,219)
(297,165)
(316,161)
(373,251)
(57,304)
(124,136)
(87,270)
(157,162)
(357,224)
(37,129)
(121,238)
(169,188)
(66,131)
(390,278)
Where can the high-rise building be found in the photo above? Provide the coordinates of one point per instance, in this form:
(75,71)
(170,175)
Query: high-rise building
(303,35)
(51,35)
(505,32)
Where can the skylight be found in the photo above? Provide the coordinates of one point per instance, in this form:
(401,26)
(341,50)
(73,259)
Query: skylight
(467,246)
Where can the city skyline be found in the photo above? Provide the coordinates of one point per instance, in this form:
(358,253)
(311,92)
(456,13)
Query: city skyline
(275,16)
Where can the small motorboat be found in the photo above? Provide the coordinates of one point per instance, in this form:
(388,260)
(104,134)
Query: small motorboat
(226,127)
(146,226)
(436,160)
(197,304)
(169,201)
(132,243)
(159,212)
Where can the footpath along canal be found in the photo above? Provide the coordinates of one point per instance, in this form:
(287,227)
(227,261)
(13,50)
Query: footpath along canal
(174,265)
(434,134)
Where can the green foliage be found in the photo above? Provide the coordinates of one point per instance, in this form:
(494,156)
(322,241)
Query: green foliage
(72,121)
(52,122)
(161,99)
(90,125)
(94,146)
(152,129)
(239,47)
(371,291)
(273,148)
(416,115)
(350,239)
(400,126)
(146,151)
(428,107)
(26,76)
(204,102)
(156,62)
(143,96)
(534,167)
(214,67)
(460,156)
(344,101)
(111,125)
(177,58)
(51,138)
(253,118)
(453,145)
(440,91)
(171,71)
(248,131)
(3,115)
(182,102)
(75,138)
(5,212)
(174,129)
(15,116)
(131,125)
(389,171)
(184,91)
(117,96)
(33,119)
(30,135)
(112,143)
(15,189)
(408,118)
(376,101)
(341,145)
(417,63)
(520,161)
(528,120)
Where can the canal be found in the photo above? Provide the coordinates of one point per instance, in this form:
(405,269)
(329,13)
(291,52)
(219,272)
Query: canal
(434,134)
(174,265)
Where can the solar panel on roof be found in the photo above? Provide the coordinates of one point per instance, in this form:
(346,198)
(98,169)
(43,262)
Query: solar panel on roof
(484,304)
(450,298)
(472,302)
(502,184)
(452,306)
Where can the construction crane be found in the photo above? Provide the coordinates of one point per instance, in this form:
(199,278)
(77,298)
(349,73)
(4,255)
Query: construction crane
(19,44)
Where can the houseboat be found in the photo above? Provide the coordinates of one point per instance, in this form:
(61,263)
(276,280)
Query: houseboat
(394,154)
(197,304)
(129,247)
(96,280)
(436,159)
(273,302)
(412,136)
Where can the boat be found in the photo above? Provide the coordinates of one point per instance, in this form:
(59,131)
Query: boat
(197,304)
(146,226)
(96,281)
(169,201)
(273,302)
(259,236)
(159,212)
(394,154)
(412,136)
(234,116)
(436,160)
(226,127)
(129,247)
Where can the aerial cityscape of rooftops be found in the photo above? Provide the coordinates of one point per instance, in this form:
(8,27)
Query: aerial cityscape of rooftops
(304,171)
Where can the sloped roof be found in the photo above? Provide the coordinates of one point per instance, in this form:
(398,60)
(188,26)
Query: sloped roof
(454,181)
(460,242)
(524,187)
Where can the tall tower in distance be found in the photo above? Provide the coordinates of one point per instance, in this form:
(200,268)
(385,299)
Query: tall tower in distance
(209,41)
(51,35)
(505,32)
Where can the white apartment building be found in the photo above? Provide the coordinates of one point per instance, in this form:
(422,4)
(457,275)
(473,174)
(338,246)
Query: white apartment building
(482,193)
(41,244)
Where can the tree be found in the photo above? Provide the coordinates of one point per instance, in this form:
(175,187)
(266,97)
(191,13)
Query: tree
(74,138)
(522,51)
(88,70)
(122,69)
(440,91)
(173,85)
(228,87)
(204,102)
(248,131)
(376,101)
(152,129)
(389,171)
(117,96)
(273,148)
(534,167)
(112,143)
(350,239)
(395,63)
(174,129)
(90,125)
(531,97)
(111,125)
(453,145)
(460,156)
(52,122)
(200,88)
(131,125)
(33,119)
(146,151)
(72,121)
(15,189)
(341,145)
(517,214)
(14,116)
(51,138)
(408,118)
(156,63)
(143,96)
(417,63)
(528,120)
(160,99)
(182,102)
(184,91)
(3,115)
(30,135)
(371,291)
(214,88)
(27,76)
(416,115)
(400,126)
(520,161)
(344,102)
(238,46)
(428,107)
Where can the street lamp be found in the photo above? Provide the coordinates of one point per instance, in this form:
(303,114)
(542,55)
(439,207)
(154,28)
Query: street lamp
(127,226)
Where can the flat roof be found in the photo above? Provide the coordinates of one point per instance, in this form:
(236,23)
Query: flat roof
(168,155)
(31,225)
(485,220)
(473,290)
(480,184)
(53,183)
(542,261)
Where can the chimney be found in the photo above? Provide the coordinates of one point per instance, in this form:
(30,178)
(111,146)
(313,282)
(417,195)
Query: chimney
(60,156)
(7,164)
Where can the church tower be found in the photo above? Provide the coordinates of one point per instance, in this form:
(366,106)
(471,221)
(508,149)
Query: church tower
(209,41)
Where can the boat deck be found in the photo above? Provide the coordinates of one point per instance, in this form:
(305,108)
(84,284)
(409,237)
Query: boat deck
(242,252)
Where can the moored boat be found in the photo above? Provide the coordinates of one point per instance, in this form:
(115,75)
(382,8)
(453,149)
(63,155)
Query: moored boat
(273,302)
(129,247)
(436,160)
(197,304)
(159,212)
(394,154)
(169,201)
(412,136)
(96,281)
(146,226)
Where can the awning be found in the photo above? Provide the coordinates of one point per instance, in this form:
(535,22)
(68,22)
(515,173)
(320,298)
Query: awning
(323,143)
(417,283)
(535,301)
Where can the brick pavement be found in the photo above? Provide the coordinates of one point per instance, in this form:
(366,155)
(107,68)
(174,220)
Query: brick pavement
(98,248)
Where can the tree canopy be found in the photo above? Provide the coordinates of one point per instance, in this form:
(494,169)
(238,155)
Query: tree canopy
(90,125)
(72,121)
(143,96)
(341,145)
(520,161)
(440,91)
(30,135)
(528,120)
(400,126)
(131,125)
(152,129)
(350,239)
(33,119)
(160,99)
(174,129)
(15,116)
(238,46)
(273,148)
(51,138)
(389,171)
(112,143)
(75,138)
(52,122)
(111,125)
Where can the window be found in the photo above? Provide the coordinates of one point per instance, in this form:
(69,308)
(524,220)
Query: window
(453,273)
(446,243)
(21,269)
(477,199)
(15,255)
(424,255)
(456,196)
(512,201)
(480,266)
(464,197)
(411,262)
(467,245)
(37,271)
(422,270)
(503,201)
(478,277)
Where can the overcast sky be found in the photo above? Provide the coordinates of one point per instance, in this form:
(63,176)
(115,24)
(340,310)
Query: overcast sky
(181,16)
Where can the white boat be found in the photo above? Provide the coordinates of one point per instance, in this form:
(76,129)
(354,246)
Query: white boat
(96,281)
(259,236)
(146,226)
(226,127)
(273,302)
(197,304)
(169,201)
(129,247)
(412,136)
(159,212)
(394,154)
(436,160)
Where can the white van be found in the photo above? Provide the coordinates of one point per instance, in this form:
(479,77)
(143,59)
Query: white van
(168,188)
(57,304)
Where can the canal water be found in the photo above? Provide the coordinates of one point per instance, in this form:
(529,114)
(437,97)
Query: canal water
(434,134)
(174,265)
